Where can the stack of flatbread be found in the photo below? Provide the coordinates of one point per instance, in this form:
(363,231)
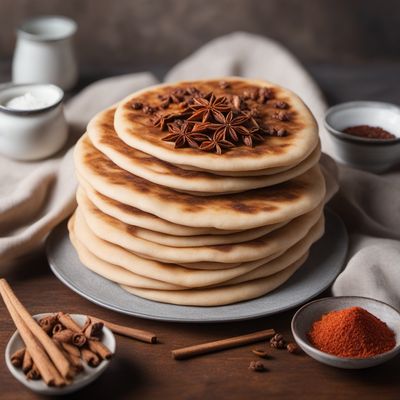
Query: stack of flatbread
(199,193)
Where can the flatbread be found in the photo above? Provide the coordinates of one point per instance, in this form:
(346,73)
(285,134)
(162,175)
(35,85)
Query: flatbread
(184,277)
(134,216)
(135,128)
(124,277)
(103,136)
(189,241)
(124,235)
(222,295)
(114,273)
(247,210)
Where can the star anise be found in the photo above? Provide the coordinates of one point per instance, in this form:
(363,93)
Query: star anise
(252,136)
(216,143)
(230,126)
(182,135)
(210,105)
(161,120)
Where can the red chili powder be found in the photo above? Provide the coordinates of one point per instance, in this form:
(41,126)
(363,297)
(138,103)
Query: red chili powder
(352,332)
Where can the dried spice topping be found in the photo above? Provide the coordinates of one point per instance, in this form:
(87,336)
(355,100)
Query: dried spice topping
(214,123)
(370,132)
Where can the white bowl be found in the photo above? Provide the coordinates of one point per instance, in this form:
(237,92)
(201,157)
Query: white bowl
(374,155)
(32,134)
(84,378)
(313,311)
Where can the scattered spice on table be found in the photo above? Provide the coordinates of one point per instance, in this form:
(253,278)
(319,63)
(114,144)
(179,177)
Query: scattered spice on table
(352,332)
(260,353)
(293,348)
(369,132)
(257,366)
(277,341)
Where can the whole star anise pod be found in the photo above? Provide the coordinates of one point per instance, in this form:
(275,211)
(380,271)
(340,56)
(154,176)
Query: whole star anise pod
(161,120)
(210,105)
(252,136)
(182,135)
(216,143)
(231,127)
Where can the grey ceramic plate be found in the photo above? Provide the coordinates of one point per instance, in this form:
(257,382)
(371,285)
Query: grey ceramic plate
(323,265)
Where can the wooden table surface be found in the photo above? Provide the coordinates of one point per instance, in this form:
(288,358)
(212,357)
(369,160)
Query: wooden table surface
(145,371)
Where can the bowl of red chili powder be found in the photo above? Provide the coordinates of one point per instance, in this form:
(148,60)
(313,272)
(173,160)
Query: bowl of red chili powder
(348,332)
(365,134)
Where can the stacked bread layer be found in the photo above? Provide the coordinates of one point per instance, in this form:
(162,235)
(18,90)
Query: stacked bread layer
(176,233)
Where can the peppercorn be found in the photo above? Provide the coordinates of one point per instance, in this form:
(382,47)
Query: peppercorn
(293,348)
(277,341)
(257,366)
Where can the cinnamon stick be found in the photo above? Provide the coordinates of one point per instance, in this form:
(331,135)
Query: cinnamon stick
(68,336)
(138,334)
(74,358)
(71,349)
(91,358)
(95,346)
(27,362)
(54,353)
(76,362)
(199,349)
(34,373)
(17,358)
(47,323)
(47,370)
(57,328)
(93,330)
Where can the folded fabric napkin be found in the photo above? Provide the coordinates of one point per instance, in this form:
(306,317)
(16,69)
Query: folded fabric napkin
(34,197)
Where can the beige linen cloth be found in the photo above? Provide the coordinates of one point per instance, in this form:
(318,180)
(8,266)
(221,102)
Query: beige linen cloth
(34,197)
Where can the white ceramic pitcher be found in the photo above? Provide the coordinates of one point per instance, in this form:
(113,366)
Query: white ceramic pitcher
(44,52)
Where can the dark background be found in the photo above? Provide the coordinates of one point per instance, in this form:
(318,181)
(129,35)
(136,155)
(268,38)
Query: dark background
(339,41)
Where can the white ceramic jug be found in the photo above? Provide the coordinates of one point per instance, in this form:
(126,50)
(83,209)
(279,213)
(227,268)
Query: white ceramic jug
(44,52)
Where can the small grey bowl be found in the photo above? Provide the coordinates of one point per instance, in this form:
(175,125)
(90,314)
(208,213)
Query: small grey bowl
(374,155)
(313,311)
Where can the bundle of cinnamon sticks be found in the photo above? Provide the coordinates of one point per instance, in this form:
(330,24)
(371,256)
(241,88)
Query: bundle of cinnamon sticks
(56,345)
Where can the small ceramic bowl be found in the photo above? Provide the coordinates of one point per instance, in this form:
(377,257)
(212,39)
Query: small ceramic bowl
(313,311)
(84,378)
(32,134)
(374,155)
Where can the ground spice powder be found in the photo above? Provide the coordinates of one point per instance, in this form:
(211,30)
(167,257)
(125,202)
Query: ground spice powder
(351,332)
